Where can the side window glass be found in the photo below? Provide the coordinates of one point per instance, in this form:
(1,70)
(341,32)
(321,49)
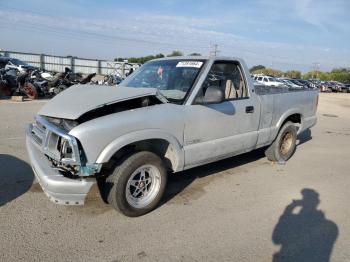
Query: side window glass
(228,77)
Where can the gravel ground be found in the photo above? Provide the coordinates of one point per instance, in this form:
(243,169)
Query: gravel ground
(239,209)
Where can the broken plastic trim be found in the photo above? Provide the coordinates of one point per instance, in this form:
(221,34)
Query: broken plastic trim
(90,170)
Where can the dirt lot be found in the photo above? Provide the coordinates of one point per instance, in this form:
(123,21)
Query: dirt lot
(227,211)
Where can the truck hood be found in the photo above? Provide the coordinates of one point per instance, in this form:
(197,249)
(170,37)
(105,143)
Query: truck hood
(79,99)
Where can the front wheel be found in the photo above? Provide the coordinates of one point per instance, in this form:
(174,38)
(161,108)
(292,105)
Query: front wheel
(284,146)
(137,184)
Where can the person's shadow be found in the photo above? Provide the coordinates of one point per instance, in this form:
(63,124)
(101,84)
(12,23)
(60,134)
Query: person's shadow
(305,235)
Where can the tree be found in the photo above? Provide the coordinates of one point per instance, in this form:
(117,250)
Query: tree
(195,54)
(338,74)
(268,71)
(293,74)
(175,53)
(257,67)
(139,60)
(340,70)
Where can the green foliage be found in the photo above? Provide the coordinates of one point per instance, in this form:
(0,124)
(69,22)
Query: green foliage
(139,60)
(268,71)
(257,67)
(175,53)
(195,54)
(293,74)
(337,74)
(144,59)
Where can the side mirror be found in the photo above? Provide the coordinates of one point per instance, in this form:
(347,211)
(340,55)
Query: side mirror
(213,95)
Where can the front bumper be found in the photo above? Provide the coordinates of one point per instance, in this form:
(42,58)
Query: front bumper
(58,188)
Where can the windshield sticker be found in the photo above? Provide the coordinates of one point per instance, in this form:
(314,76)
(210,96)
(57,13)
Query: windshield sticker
(160,72)
(196,64)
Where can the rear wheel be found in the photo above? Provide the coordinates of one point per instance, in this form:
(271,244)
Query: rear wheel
(284,146)
(137,184)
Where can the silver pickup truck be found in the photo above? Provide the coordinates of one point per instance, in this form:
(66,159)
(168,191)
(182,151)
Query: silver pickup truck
(170,115)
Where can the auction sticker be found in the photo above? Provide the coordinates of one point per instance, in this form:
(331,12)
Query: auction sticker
(196,64)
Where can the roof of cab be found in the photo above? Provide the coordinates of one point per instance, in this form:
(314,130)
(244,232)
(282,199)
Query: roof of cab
(199,58)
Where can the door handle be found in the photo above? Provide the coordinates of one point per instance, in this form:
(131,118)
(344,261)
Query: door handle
(249,109)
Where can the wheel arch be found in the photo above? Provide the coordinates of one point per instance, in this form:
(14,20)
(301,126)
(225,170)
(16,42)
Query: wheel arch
(292,115)
(157,141)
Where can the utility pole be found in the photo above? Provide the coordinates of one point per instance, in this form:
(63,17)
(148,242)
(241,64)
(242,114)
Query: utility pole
(316,68)
(214,51)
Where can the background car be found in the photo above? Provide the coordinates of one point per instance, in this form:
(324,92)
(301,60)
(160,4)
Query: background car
(345,88)
(268,81)
(9,63)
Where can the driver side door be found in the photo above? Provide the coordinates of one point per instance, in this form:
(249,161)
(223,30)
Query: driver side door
(219,130)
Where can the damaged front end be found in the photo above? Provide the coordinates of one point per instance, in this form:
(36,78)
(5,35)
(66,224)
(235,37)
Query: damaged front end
(62,150)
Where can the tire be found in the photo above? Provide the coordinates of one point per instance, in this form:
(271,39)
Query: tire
(284,145)
(30,90)
(137,184)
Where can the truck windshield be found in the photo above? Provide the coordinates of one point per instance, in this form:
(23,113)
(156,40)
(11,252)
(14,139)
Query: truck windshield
(173,78)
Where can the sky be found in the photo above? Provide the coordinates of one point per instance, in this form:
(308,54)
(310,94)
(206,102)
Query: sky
(284,34)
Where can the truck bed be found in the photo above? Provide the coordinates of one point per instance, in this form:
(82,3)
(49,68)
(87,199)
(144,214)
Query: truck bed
(269,90)
(279,102)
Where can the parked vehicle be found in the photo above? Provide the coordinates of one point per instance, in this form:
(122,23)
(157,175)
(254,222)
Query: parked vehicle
(8,82)
(170,115)
(316,83)
(14,82)
(345,88)
(14,63)
(59,82)
(333,86)
(268,81)
(290,84)
(306,83)
(324,87)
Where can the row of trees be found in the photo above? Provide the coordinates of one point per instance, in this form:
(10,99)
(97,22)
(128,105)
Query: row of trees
(144,59)
(337,74)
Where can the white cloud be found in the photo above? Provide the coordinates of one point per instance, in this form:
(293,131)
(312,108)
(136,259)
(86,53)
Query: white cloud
(163,33)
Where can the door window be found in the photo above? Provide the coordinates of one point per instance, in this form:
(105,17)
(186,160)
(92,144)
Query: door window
(228,77)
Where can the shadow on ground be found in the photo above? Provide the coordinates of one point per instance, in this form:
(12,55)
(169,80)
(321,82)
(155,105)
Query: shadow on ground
(16,178)
(303,232)
(304,136)
(179,181)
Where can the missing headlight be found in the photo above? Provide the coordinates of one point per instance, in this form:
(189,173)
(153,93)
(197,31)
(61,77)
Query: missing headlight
(66,150)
